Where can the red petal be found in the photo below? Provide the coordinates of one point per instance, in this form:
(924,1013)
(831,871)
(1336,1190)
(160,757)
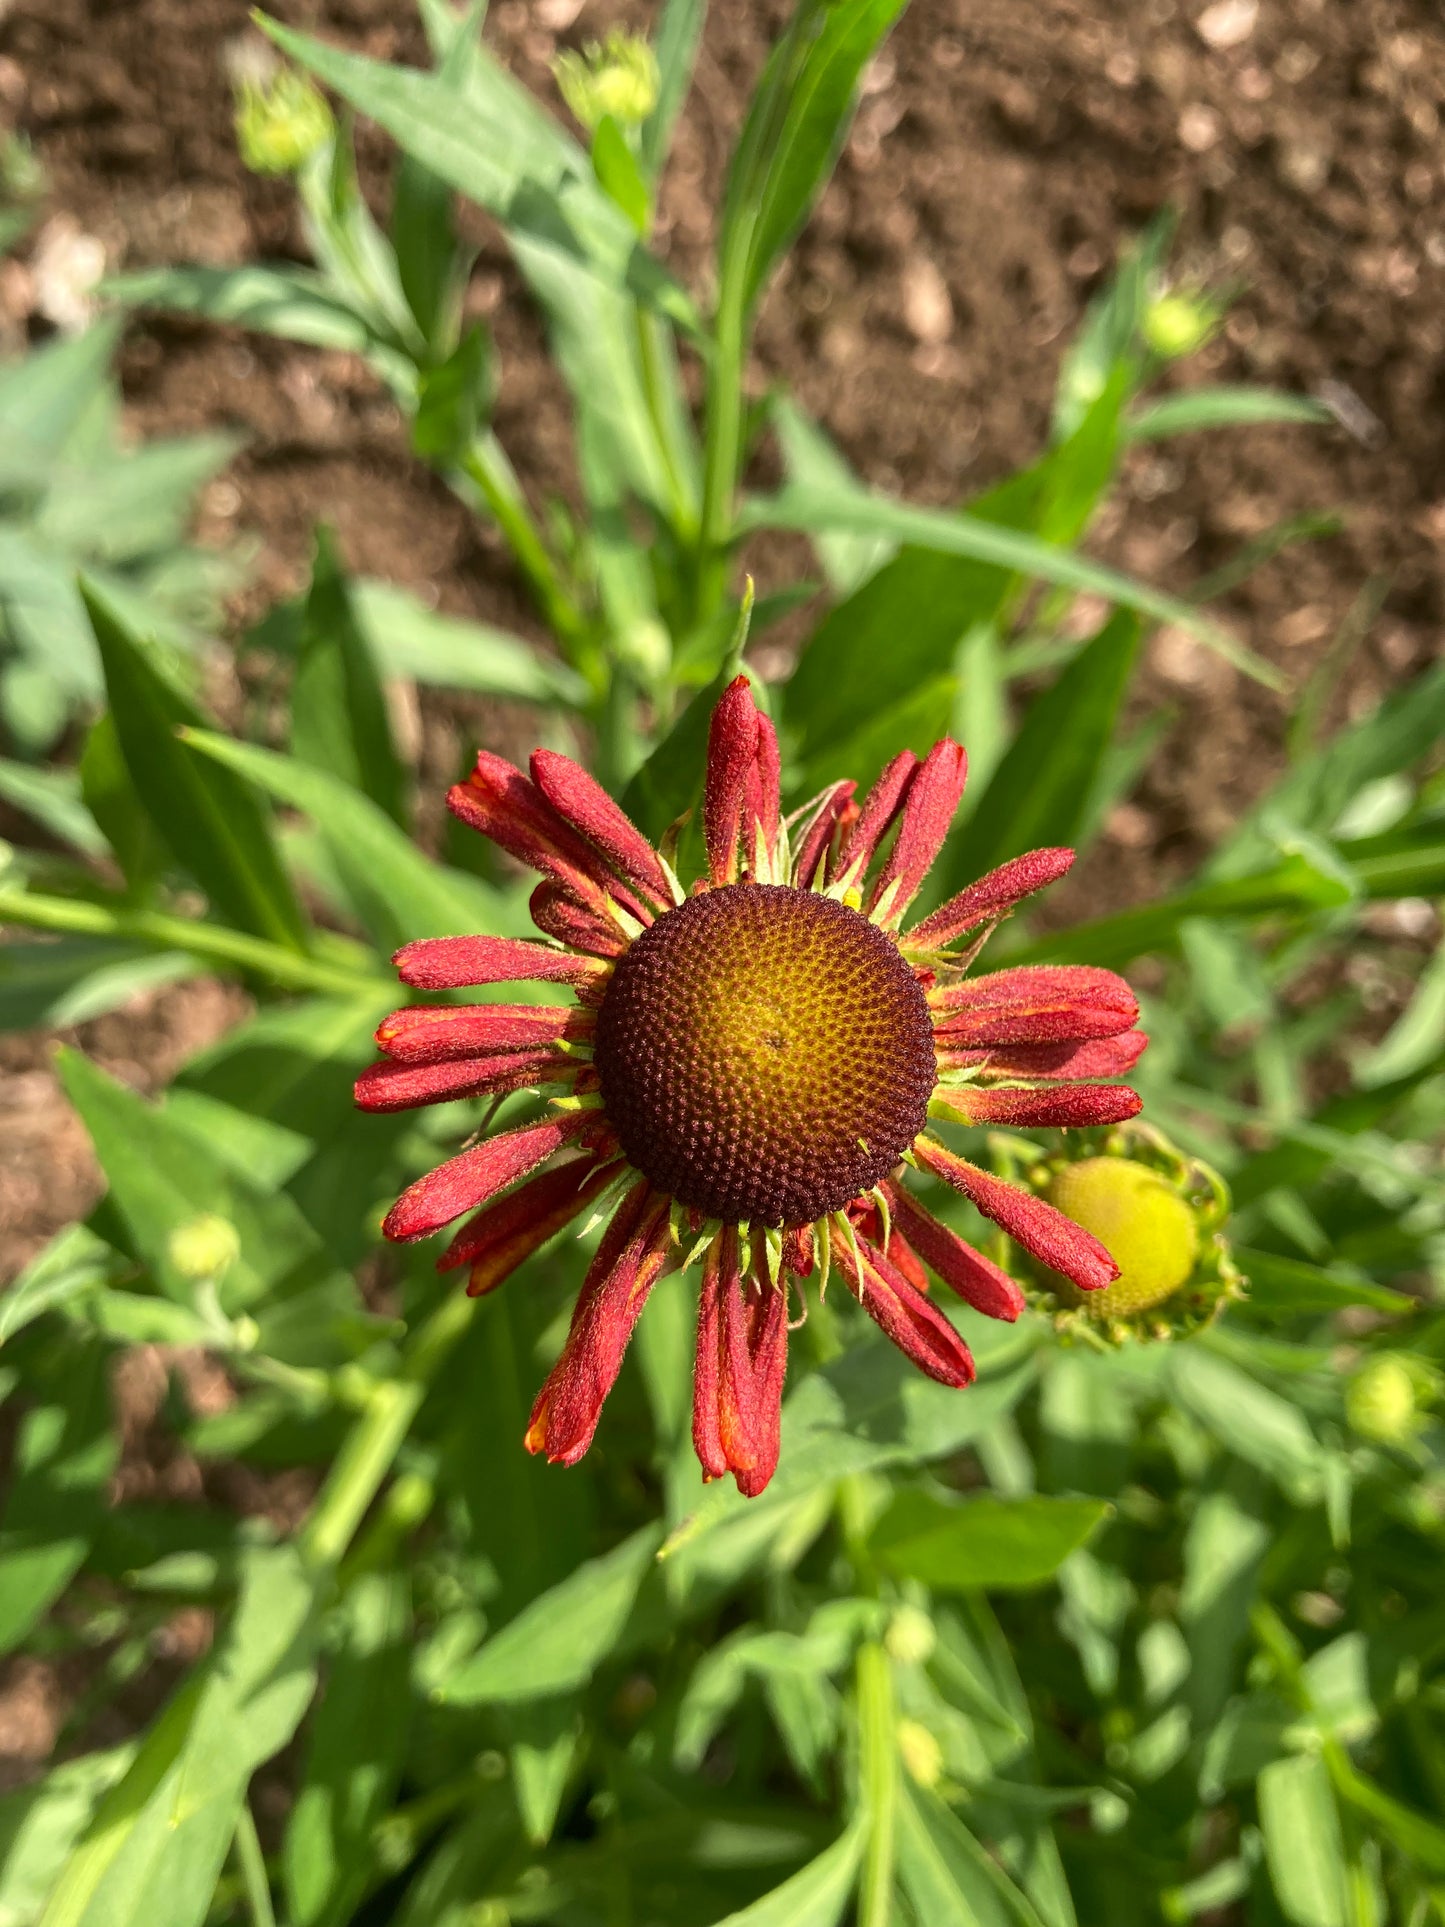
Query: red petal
(819,833)
(401,1087)
(502,804)
(755,1460)
(1056,1241)
(732,745)
(707,1361)
(464,1182)
(581,801)
(451,963)
(976,1279)
(992,896)
(880,806)
(1033,1004)
(634,1252)
(509,1230)
(913,1322)
(798,1250)
(1062,1107)
(933,797)
(761,804)
(559,915)
(1101,1057)
(431,1033)
(742,1355)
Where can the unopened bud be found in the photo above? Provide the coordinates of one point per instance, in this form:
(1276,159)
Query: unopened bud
(204,1247)
(921,1754)
(1176,325)
(1141,1220)
(617,78)
(281,123)
(910,1638)
(1382,1401)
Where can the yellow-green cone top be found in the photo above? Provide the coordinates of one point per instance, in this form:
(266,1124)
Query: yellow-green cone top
(1141,1219)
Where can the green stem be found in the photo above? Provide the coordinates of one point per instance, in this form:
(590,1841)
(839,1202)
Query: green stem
(251,1863)
(487,466)
(373,1442)
(723,443)
(877,1783)
(684,514)
(287,969)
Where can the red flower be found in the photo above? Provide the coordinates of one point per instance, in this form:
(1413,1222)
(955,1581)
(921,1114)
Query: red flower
(745,1069)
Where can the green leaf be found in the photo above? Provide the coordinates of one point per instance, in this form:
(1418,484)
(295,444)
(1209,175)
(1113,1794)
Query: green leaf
(811,460)
(454,400)
(815,1896)
(669,783)
(983,1542)
(1415,1834)
(72,1264)
(1041,789)
(451,652)
(212,821)
(46,396)
(561,1638)
(355,1754)
(65,1454)
(77,978)
(338,710)
(40,1824)
(270,298)
(398,892)
(1220,407)
(153,1853)
(1250,1420)
(52,798)
(430,264)
(126,508)
(675,42)
(617,170)
(110,797)
(1303,1843)
(947,1874)
(1288,1287)
(794,131)
(813,510)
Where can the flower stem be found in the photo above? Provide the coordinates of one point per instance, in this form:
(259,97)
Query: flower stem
(877,1783)
(251,1864)
(487,466)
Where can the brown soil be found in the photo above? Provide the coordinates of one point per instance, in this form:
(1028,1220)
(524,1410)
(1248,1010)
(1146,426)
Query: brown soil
(1002,155)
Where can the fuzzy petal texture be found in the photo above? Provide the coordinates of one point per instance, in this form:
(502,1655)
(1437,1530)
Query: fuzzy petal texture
(798,1250)
(732,747)
(1056,1241)
(914,1323)
(510,1229)
(762,806)
(818,833)
(993,896)
(976,1279)
(633,1255)
(464,1182)
(582,802)
(1058,1063)
(555,911)
(454,963)
(432,1033)
(1033,1004)
(741,1361)
(402,1087)
(1063,1107)
(933,798)
(876,817)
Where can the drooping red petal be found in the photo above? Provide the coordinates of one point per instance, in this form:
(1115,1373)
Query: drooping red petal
(559,915)
(402,1087)
(755,1459)
(432,1033)
(976,1279)
(634,1252)
(1063,1107)
(899,1309)
(1056,1241)
(707,1359)
(453,963)
(510,1229)
(1033,1004)
(880,807)
(503,804)
(466,1181)
(933,798)
(992,896)
(582,802)
(732,746)
(818,833)
(762,793)
(798,1250)
(742,1354)
(1101,1057)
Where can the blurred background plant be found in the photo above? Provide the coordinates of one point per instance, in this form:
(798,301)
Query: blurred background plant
(1129,1630)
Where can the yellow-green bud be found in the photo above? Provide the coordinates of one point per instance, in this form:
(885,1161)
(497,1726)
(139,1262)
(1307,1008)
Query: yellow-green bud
(619,78)
(204,1247)
(281,123)
(1141,1220)
(921,1754)
(910,1638)
(1382,1401)
(1176,325)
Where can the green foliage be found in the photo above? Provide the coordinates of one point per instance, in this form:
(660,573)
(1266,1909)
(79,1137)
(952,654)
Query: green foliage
(1113,1635)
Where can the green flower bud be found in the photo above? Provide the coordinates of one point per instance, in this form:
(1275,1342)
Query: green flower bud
(281,123)
(1382,1400)
(1179,324)
(910,1638)
(1143,1223)
(921,1754)
(619,78)
(204,1247)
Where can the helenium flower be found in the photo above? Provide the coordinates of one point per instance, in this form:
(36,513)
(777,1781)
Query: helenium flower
(745,1070)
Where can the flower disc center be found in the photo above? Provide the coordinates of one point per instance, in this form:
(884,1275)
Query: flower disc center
(765,1054)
